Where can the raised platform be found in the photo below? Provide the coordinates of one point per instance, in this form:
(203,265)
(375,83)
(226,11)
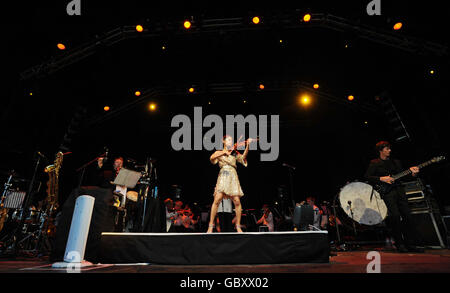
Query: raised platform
(215,248)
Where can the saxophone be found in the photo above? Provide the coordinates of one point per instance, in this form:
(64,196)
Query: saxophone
(52,192)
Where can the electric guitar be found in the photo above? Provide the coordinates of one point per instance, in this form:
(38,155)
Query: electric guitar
(384,187)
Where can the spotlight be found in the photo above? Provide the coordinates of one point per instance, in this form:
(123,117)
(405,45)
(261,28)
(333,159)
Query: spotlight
(261,86)
(137,93)
(163,47)
(61,46)
(187,24)
(350,98)
(256,20)
(307,17)
(305,100)
(106,108)
(139,28)
(31,94)
(431,71)
(398,26)
(281,41)
(191,90)
(316,86)
(152,106)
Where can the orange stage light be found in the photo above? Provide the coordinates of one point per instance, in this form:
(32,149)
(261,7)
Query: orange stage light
(106,108)
(398,26)
(139,28)
(137,93)
(261,86)
(187,24)
(350,98)
(256,20)
(316,86)
(307,17)
(61,46)
(191,90)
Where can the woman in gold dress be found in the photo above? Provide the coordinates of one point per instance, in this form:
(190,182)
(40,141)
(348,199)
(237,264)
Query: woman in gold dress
(228,182)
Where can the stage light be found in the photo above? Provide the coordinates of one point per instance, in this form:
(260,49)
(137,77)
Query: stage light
(261,86)
(256,20)
(209,103)
(191,90)
(398,26)
(281,41)
(316,86)
(139,28)
(305,100)
(431,71)
(307,17)
(61,46)
(245,101)
(31,94)
(152,106)
(137,93)
(106,108)
(365,122)
(350,98)
(187,24)
(163,47)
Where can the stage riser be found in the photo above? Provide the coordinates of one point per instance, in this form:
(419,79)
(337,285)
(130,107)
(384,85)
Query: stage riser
(215,249)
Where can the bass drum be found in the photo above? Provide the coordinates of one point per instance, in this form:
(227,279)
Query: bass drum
(360,203)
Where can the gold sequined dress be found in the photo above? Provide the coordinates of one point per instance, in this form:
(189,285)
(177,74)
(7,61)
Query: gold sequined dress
(228,181)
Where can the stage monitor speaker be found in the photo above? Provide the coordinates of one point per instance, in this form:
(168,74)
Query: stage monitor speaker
(431,228)
(303,217)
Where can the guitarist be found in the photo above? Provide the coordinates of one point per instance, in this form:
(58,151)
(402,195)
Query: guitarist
(379,173)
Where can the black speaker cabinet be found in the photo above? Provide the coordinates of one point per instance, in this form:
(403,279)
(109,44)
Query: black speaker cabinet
(431,228)
(303,217)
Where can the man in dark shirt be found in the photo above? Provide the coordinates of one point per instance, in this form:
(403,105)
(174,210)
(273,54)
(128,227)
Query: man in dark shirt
(380,170)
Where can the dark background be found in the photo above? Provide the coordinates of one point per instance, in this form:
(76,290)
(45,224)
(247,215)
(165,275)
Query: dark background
(329,142)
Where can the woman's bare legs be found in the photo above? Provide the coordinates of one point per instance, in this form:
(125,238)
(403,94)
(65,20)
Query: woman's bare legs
(217,199)
(238,209)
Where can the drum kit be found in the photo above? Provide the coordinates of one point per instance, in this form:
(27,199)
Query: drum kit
(357,208)
(14,215)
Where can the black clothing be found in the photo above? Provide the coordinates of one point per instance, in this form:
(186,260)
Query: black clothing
(379,168)
(400,219)
(101,177)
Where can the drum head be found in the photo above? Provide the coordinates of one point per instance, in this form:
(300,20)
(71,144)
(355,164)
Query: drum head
(365,211)
(132,195)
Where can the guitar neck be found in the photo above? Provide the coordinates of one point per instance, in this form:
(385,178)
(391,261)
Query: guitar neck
(407,172)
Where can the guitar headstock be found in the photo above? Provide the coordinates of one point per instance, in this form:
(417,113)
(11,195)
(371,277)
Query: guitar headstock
(437,159)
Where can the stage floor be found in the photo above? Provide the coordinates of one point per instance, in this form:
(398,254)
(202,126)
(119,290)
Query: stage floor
(432,261)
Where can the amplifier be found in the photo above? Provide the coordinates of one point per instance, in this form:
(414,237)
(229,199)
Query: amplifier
(430,227)
(414,189)
(446,221)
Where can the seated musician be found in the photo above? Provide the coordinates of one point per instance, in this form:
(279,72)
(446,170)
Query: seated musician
(267,218)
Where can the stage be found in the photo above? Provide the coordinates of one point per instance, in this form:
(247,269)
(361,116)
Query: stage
(215,248)
(432,261)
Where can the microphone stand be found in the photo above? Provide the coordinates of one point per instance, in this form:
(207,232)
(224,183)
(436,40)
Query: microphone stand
(353,220)
(84,168)
(18,231)
(291,183)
